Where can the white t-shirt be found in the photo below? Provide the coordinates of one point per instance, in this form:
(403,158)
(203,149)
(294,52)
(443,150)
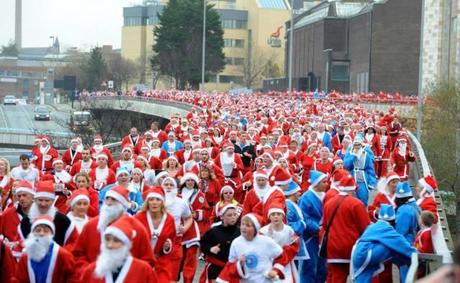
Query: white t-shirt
(259,255)
(30,175)
(179,209)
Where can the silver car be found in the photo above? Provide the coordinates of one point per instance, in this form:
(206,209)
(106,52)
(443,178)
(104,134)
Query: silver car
(42,113)
(9,100)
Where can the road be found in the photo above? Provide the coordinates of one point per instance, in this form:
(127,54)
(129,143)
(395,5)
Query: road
(22,117)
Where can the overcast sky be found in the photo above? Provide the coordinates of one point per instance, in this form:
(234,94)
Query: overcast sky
(81,23)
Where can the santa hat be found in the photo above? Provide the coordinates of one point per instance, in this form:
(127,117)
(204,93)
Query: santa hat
(187,141)
(189,176)
(386,212)
(269,153)
(38,138)
(392,176)
(358,140)
(347,184)
(74,140)
(256,219)
(403,190)
(137,170)
(45,189)
(102,155)
(225,208)
(121,170)
(197,149)
(282,177)
(148,134)
(47,139)
(156,192)
(260,174)
(127,148)
(171,134)
(25,187)
(195,133)
(226,188)
(43,220)
(169,178)
(155,139)
(228,145)
(57,160)
(338,175)
(428,183)
(122,229)
(315,178)
(291,189)
(120,193)
(276,208)
(97,138)
(336,160)
(160,175)
(77,195)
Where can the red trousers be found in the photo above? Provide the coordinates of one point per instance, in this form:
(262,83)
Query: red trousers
(176,260)
(337,272)
(189,263)
(387,273)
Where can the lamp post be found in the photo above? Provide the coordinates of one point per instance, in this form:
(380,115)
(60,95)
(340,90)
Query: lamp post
(291,41)
(203,58)
(328,53)
(420,78)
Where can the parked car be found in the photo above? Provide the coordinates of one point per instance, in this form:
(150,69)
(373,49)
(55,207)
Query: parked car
(41,113)
(9,100)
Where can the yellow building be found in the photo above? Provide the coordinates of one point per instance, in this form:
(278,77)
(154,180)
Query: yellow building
(253,35)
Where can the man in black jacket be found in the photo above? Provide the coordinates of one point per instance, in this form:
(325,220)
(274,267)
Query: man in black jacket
(247,151)
(215,243)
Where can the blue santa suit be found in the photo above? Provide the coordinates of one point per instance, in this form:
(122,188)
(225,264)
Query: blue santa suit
(135,196)
(171,151)
(362,169)
(379,242)
(407,225)
(327,140)
(295,219)
(314,269)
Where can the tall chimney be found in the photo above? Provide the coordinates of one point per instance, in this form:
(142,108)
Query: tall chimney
(18,25)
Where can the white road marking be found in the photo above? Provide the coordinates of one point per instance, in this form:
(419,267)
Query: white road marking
(2,114)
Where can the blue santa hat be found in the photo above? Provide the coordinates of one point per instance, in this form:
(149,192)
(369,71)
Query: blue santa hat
(358,139)
(403,190)
(386,212)
(315,178)
(123,169)
(291,189)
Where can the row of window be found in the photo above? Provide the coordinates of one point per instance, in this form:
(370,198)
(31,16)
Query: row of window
(229,42)
(234,24)
(20,74)
(140,21)
(236,61)
(225,79)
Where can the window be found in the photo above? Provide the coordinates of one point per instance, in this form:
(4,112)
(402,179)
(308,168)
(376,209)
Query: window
(136,21)
(212,79)
(229,42)
(340,71)
(231,79)
(362,82)
(234,61)
(233,24)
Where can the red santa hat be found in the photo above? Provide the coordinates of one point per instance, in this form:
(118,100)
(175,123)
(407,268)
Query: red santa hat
(392,176)
(428,183)
(38,138)
(120,193)
(148,134)
(25,187)
(45,189)
(43,220)
(282,177)
(336,161)
(197,149)
(347,184)
(226,188)
(256,219)
(47,139)
(338,175)
(57,161)
(102,155)
(77,195)
(155,139)
(195,133)
(269,153)
(122,229)
(260,174)
(189,176)
(156,192)
(127,148)
(228,145)
(97,137)
(276,208)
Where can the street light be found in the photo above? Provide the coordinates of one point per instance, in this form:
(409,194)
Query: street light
(420,77)
(291,41)
(203,59)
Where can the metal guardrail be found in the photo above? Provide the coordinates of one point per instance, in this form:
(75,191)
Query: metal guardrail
(33,132)
(178,104)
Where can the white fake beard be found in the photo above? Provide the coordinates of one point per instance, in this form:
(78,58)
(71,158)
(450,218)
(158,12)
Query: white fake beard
(34,212)
(98,147)
(402,149)
(108,214)
(170,197)
(110,261)
(37,246)
(43,149)
(260,191)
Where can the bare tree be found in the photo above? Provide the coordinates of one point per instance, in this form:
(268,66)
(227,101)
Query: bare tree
(121,70)
(254,67)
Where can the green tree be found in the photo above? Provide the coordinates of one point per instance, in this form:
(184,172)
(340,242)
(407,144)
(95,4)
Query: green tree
(177,51)
(95,68)
(10,50)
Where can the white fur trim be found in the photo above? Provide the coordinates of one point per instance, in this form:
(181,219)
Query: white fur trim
(43,222)
(45,195)
(274,210)
(347,189)
(155,195)
(425,185)
(283,182)
(189,176)
(114,231)
(25,190)
(77,199)
(254,221)
(117,196)
(240,271)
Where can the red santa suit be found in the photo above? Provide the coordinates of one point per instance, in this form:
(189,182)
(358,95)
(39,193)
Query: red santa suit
(133,270)
(400,162)
(159,153)
(63,179)
(10,220)
(349,223)
(61,268)
(383,160)
(82,166)
(427,202)
(95,151)
(88,245)
(165,230)
(131,142)
(232,168)
(102,177)
(424,242)
(7,263)
(183,155)
(70,157)
(45,158)
(326,168)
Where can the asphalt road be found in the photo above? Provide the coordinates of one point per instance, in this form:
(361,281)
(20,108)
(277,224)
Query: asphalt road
(22,117)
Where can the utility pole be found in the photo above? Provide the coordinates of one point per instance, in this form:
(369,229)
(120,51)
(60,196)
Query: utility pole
(420,78)
(291,42)
(203,54)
